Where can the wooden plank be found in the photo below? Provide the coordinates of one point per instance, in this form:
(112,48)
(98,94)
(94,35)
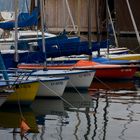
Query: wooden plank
(57,15)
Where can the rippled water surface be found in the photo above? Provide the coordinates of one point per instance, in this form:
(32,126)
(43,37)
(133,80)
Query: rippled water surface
(110,110)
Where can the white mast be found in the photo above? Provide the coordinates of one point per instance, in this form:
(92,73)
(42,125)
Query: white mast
(109,14)
(67,4)
(133,21)
(16,30)
(42,29)
(78,17)
(89,28)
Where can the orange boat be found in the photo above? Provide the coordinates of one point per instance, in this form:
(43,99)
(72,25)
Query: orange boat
(106,71)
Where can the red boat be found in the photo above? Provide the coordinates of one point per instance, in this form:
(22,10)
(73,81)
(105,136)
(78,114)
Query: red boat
(106,71)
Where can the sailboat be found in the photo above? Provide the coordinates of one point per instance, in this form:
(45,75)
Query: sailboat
(15,91)
(24,90)
(26,36)
(77,78)
(102,70)
(47,86)
(120,71)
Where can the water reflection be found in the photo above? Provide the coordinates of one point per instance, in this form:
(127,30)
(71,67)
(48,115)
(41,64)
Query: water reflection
(129,118)
(48,107)
(112,86)
(49,112)
(80,112)
(115,95)
(10,119)
(109,110)
(96,101)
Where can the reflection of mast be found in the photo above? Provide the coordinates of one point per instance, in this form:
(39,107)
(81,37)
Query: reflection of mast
(95,117)
(61,126)
(130,120)
(76,126)
(42,132)
(88,123)
(105,117)
(14,134)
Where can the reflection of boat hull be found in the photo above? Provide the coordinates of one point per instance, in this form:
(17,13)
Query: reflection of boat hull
(76,100)
(4,96)
(114,88)
(11,118)
(54,87)
(112,85)
(48,107)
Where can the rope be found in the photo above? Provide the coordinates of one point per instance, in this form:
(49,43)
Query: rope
(76,90)
(56,94)
(103,83)
(18,98)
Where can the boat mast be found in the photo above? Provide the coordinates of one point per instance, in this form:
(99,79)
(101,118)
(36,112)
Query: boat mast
(71,18)
(97,23)
(16,32)
(78,16)
(113,28)
(89,28)
(133,21)
(3,69)
(107,26)
(42,29)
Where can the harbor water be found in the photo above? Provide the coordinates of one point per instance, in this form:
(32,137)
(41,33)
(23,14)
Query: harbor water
(109,110)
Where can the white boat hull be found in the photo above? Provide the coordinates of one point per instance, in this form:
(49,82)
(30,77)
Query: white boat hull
(48,86)
(112,51)
(52,88)
(77,78)
(80,80)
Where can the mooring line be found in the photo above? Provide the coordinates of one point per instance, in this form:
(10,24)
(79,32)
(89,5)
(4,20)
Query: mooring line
(76,90)
(56,94)
(103,83)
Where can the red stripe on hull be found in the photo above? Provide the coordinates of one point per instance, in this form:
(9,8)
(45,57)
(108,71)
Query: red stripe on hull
(116,73)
